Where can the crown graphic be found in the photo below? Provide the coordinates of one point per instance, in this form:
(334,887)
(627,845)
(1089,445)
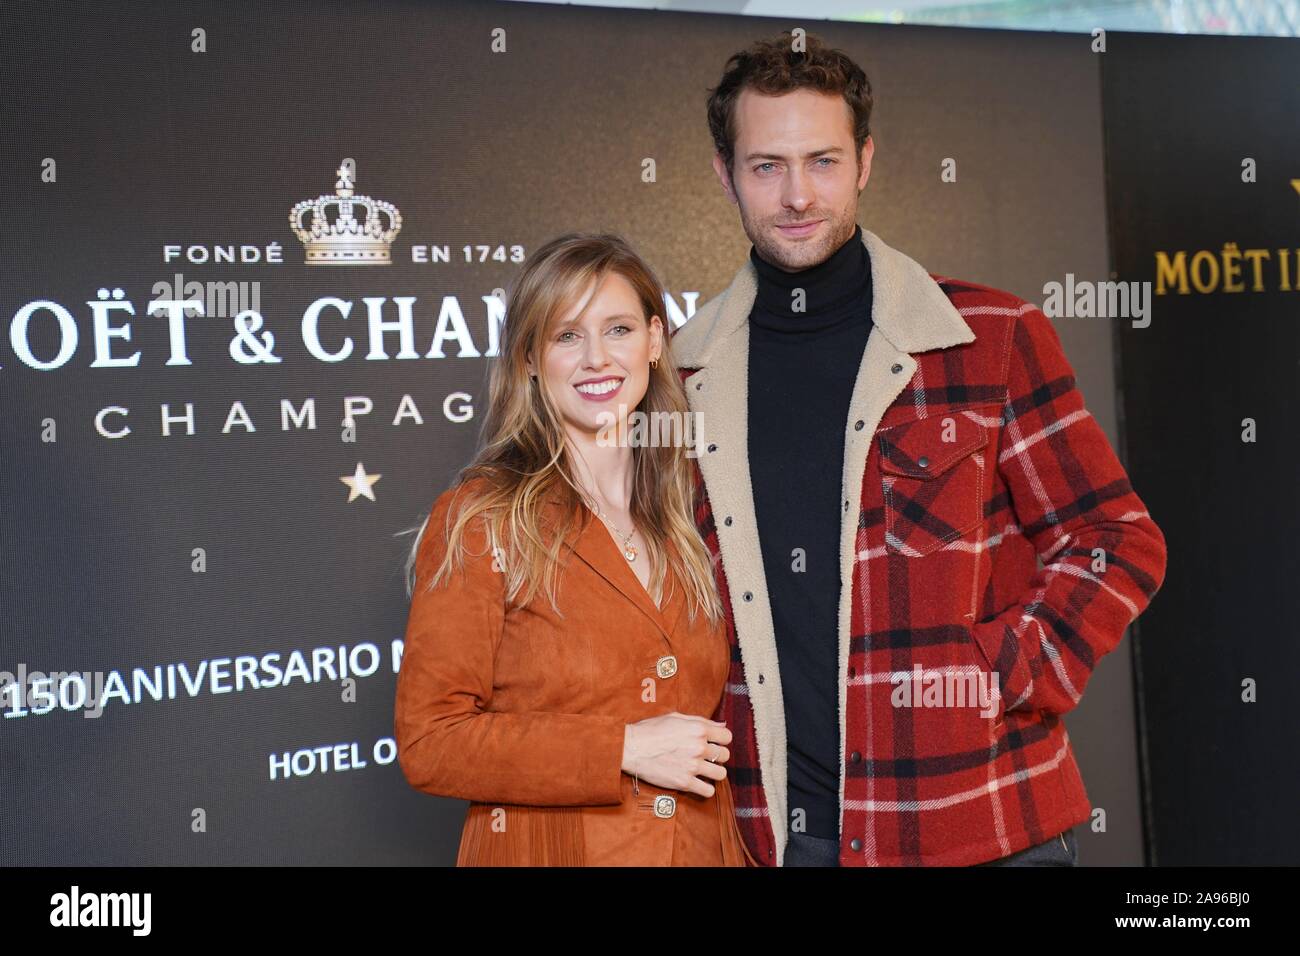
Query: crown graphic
(335,236)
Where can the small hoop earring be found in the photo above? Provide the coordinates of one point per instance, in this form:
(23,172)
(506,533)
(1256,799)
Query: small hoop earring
(654,363)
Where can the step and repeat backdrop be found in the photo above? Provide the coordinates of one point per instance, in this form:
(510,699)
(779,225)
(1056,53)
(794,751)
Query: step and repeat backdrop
(219,418)
(1203,169)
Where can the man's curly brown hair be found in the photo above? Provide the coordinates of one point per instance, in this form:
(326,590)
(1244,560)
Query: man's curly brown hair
(772,67)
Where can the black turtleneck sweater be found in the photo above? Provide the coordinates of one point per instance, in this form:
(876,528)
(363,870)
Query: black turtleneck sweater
(802,368)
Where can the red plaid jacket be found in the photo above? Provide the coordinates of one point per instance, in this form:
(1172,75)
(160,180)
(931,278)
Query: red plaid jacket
(969,457)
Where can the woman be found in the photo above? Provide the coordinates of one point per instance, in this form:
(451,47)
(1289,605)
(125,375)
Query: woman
(565,645)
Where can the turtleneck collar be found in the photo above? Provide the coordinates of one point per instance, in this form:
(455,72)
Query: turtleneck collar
(832,289)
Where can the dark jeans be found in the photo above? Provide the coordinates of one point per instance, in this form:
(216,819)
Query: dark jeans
(1060,850)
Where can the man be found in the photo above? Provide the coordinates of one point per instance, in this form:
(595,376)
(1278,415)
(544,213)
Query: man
(885,455)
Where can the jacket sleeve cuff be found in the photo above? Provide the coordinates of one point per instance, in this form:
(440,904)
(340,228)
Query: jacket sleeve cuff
(605,760)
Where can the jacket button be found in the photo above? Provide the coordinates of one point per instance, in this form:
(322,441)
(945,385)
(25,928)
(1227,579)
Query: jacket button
(855,845)
(855,757)
(727,520)
(923,462)
(858,425)
(896,368)
(749,595)
(665,806)
(713,448)
(666,666)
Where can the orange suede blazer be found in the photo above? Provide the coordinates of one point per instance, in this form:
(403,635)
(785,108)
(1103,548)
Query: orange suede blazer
(523,712)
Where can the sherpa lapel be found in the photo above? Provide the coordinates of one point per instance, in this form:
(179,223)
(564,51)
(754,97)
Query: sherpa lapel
(910,314)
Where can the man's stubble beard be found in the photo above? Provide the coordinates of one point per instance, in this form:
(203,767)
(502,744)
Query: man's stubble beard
(837,230)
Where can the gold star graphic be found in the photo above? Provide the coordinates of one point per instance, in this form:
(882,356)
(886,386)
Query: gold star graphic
(360,484)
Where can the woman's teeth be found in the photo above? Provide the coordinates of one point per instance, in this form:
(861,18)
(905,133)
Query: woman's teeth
(600,388)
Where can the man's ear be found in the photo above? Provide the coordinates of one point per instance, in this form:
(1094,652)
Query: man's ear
(724,176)
(864,160)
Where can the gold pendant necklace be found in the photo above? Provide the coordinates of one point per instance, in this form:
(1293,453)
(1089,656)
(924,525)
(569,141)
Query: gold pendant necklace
(629,550)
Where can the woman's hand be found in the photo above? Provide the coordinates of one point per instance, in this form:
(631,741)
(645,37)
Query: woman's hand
(675,750)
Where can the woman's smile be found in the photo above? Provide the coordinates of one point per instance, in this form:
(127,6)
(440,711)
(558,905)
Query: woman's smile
(600,389)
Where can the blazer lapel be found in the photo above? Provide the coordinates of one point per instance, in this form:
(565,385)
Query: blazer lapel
(593,543)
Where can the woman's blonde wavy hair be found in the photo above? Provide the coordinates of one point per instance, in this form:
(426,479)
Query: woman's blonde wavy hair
(525,459)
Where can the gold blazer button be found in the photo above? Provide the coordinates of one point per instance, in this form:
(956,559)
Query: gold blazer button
(665,806)
(666,666)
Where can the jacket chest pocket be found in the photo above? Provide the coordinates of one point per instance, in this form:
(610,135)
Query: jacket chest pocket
(932,472)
